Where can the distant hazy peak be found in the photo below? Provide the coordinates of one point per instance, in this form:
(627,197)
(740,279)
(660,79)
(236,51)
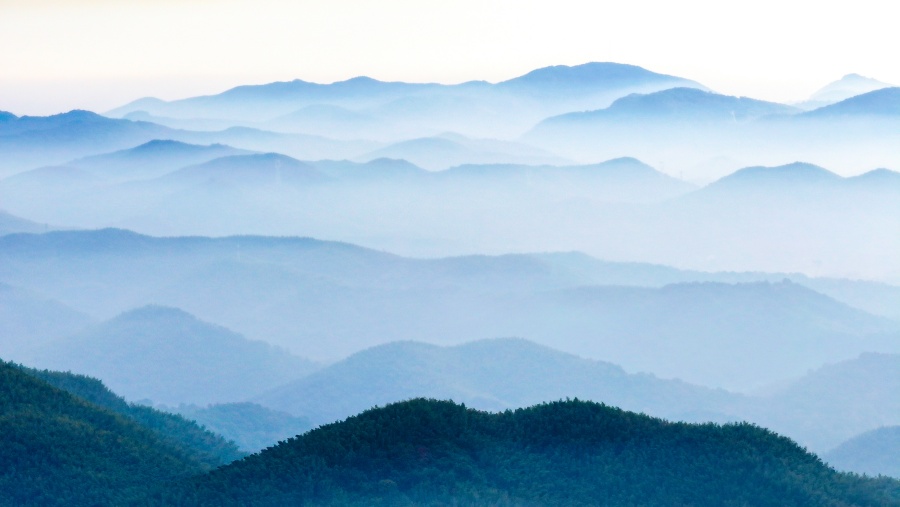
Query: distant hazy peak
(881,102)
(797,172)
(155,312)
(846,87)
(608,73)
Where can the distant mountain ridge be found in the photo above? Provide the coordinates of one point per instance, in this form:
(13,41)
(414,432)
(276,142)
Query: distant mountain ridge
(884,103)
(875,452)
(842,89)
(495,374)
(557,81)
(172,358)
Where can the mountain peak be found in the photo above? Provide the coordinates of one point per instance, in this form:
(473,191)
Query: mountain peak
(600,75)
(880,102)
(793,173)
(848,86)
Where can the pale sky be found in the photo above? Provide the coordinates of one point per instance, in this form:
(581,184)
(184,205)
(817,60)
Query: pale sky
(59,55)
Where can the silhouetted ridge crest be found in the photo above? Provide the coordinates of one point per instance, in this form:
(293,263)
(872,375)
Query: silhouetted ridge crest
(429,452)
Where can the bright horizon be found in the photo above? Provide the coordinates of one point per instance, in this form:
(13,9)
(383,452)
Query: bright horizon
(100,54)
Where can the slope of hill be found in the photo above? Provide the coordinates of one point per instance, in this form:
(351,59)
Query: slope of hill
(875,452)
(493,374)
(619,180)
(151,159)
(57,449)
(441,152)
(853,396)
(328,300)
(252,427)
(426,452)
(169,356)
(268,169)
(724,335)
(883,103)
(32,141)
(378,169)
(10,224)
(848,86)
(28,321)
(685,104)
(204,447)
(591,79)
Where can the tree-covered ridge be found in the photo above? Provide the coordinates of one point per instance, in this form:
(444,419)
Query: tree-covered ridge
(427,452)
(58,449)
(206,448)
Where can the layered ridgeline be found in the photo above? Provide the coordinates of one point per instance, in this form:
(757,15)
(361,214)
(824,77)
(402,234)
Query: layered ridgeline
(58,448)
(495,374)
(618,209)
(252,427)
(819,410)
(840,400)
(707,135)
(425,452)
(875,452)
(208,449)
(367,108)
(328,300)
(28,321)
(168,356)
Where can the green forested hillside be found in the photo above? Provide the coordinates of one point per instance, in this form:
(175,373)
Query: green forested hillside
(426,452)
(58,449)
(203,446)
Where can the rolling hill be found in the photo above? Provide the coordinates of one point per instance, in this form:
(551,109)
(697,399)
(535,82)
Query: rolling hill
(28,321)
(426,452)
(58,449)
(496,374)
(169,356)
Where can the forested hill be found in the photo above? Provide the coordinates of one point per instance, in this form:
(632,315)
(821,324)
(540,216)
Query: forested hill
(572,453)
(58,449)
(206,448)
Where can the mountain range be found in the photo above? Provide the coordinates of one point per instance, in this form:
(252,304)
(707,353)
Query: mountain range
(326,300)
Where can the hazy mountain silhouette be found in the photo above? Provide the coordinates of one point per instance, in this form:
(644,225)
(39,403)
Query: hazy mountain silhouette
(787,179)
(269,169)
(252,427)
(619,180)
(350,108)
(10,224)
(589,79)
(883,103)
(152,159)
(169,356)
(27,321)
(442,152)
(327,300)
(851,396)
(490,374)
(676,104)
(848,86)
(388,170)
(875,452)
(31,141)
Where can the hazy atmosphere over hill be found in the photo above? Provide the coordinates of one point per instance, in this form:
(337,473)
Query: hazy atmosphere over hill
(473,253)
